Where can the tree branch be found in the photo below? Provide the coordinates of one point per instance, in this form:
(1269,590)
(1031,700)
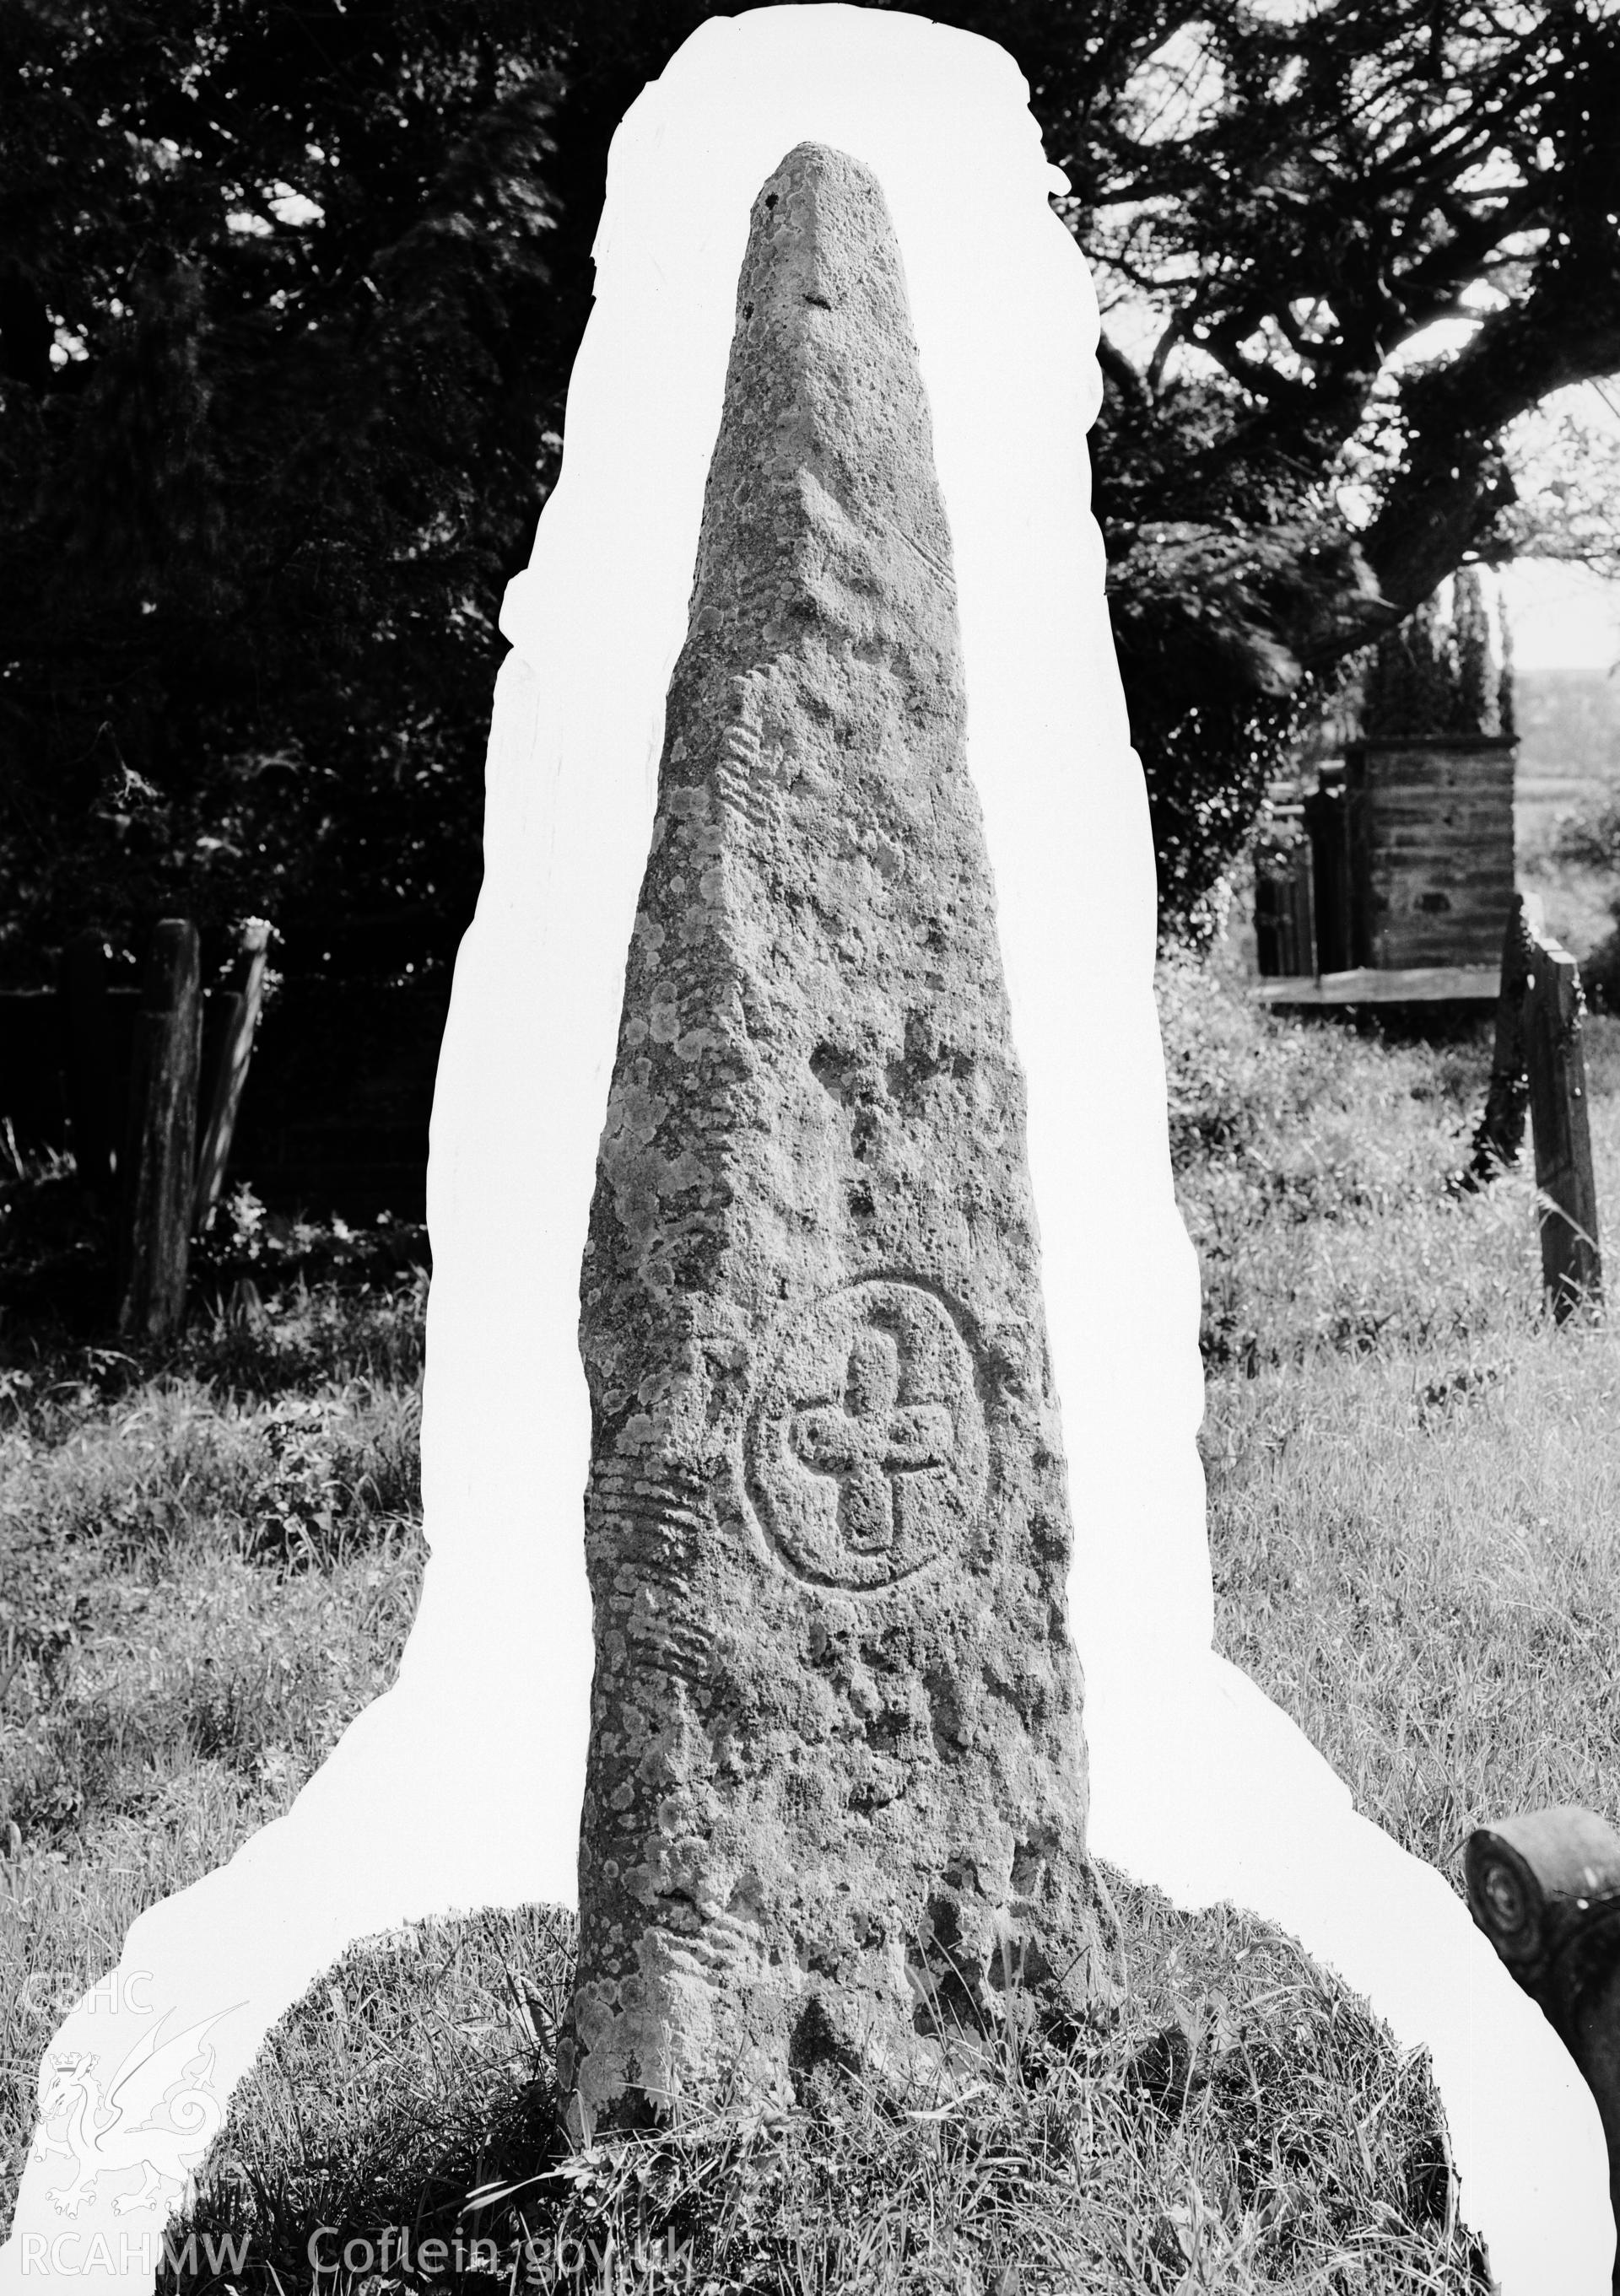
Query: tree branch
(1455,482)
(1118,370)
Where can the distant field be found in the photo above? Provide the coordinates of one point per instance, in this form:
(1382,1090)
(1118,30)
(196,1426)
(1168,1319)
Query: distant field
(1569,745)
(1568,762)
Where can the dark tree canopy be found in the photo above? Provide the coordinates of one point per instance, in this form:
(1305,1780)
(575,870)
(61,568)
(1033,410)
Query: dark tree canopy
(280,351)
(288,296)
(1302,193)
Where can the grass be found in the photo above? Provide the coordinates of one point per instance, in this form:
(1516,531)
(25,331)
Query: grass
(208,1562)
(1414,1474)
(208,1566)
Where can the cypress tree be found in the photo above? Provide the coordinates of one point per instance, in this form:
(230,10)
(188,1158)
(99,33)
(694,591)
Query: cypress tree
(1433,675)
(1506,720)
(1476,693)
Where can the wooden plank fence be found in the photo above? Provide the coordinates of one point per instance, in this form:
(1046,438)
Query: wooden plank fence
(1430,826)
(334,1115)
(159,1164)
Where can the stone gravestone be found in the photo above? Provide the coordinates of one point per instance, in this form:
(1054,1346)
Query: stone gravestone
(836,1793)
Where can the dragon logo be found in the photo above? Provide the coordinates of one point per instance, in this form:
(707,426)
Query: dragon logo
(107,2132)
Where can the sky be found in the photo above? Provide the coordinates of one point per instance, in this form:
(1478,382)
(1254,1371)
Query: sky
(1562,616)
(1565,616)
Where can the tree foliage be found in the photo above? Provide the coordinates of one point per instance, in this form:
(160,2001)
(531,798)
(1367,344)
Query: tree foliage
(289,296)
(1566,504)
(1296,195)
(280,351)
(1433,675)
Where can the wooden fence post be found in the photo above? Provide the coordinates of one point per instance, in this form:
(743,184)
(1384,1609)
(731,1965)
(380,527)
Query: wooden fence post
(235,1051)
(1502,1129)
(88,1035)
(160,1162)
(1571,1267)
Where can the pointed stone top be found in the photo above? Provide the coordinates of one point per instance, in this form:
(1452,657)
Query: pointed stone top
(822,493)
(820,238)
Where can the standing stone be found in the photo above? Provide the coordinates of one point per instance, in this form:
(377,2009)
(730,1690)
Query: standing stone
(835,1794)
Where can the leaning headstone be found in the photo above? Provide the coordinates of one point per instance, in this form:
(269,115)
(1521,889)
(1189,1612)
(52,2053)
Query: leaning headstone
(835,1801)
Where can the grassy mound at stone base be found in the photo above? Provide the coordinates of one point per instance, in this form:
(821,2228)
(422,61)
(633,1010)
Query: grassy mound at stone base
(1240,2122)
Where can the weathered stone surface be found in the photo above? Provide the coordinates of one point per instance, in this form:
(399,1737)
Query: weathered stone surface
(836,1796)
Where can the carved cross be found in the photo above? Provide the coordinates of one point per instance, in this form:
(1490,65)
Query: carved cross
(869,1439)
